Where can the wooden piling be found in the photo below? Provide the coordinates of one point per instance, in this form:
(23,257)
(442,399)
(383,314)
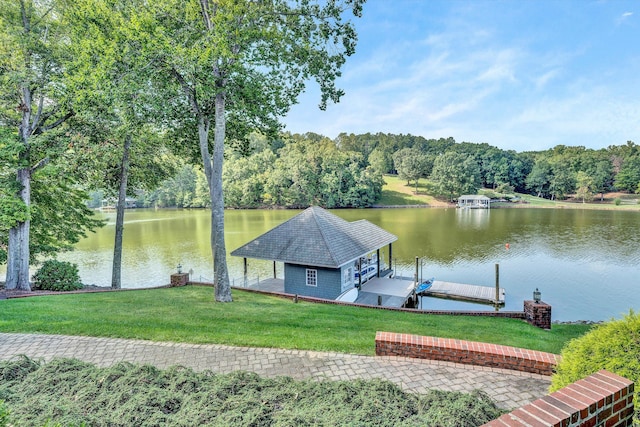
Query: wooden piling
(497,283)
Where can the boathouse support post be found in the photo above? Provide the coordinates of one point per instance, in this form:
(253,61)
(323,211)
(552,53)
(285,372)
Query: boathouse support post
(416,274)
(275,276)
(378,262)
(245,271)
(390,256)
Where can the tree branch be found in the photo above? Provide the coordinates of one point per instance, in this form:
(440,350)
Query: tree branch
(188,91)
(40,129)
(42,163)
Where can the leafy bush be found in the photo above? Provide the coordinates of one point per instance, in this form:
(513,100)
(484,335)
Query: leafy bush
(614,346)
(57,276)
(617,201)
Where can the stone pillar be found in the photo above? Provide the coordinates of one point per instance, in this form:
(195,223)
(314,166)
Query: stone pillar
(538,314)
(179,279)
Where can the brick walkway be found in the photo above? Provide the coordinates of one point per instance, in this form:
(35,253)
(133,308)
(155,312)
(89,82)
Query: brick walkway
(509,389)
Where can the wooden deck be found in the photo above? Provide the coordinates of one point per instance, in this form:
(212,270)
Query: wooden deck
(462,292)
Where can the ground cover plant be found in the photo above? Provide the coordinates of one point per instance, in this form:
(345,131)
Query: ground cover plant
(189,314)
(72,393)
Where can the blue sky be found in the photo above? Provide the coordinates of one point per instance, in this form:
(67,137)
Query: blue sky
(518,74)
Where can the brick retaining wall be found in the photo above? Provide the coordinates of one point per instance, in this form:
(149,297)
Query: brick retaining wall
(602,399)
(467,352)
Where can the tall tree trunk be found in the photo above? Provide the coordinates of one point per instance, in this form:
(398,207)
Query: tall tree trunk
(116,271)
(221,279)
(18,251)
(220,275)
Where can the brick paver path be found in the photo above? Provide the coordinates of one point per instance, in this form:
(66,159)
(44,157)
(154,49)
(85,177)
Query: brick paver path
(509,389)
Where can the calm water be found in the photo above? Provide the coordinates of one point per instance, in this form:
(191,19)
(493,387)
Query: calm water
(585,263)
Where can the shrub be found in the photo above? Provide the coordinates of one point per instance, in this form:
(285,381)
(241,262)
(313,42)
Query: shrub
(617,201)
(57,276)
(614,346)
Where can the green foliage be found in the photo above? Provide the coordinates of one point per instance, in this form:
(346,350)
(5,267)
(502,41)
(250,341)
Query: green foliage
(628,178)
(70,392)
(586,185)
(411,165)
(455,174)
(617,201)
(300,174)
(57,276)
(614,346)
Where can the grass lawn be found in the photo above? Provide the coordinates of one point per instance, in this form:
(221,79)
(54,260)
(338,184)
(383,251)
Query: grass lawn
(396,192)
(189,314)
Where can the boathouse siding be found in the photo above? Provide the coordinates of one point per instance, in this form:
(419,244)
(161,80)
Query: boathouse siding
(328,284)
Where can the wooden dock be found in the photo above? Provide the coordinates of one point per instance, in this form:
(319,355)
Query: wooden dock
(462,292)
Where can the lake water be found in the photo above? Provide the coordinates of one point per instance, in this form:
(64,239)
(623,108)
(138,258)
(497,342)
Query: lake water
(586,263)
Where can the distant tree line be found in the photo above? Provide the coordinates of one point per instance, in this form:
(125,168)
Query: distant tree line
(457,168)
(296,171)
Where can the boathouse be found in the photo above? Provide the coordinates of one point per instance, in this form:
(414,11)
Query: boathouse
(474,201)
(321,252)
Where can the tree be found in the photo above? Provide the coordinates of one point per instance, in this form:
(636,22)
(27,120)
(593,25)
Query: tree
(412,166)
(628,178)
(602,177)
(538,178)
(32,60)
(562,181)
(380,161)
(111,88)
(455,174)
(240,65)
(584,183)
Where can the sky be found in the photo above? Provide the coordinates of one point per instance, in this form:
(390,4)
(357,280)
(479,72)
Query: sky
(523,75)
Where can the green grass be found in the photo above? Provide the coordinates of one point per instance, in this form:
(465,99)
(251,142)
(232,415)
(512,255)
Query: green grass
(396,192)
(189,314)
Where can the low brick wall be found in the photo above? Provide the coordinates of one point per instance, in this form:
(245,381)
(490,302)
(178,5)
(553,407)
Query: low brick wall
(467,352)
(602,399)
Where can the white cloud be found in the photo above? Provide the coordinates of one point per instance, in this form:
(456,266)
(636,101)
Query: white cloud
(483,85)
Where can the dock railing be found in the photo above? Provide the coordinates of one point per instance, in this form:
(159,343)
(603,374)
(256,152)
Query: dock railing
(236,282)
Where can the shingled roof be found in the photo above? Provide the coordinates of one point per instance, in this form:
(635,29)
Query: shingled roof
(319,238)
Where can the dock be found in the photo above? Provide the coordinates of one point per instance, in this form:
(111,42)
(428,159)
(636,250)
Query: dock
(388,292)
(463,292)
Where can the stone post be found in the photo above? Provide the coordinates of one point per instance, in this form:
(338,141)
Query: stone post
(538,314)
(179,279)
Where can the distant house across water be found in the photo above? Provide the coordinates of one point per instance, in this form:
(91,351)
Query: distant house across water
(474,201)
(322,253)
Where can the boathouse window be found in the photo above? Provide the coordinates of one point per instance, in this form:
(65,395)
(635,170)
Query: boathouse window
(312,277)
